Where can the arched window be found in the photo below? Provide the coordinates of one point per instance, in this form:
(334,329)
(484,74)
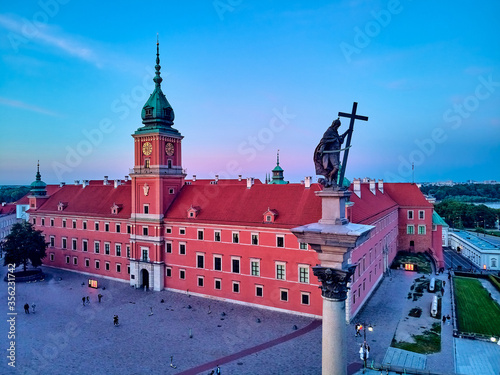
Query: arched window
(493,262)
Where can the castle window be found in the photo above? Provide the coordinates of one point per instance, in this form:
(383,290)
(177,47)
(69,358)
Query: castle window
(63,223)
(106,227)
(259,291)
(85,245)
(118,228)
(84,225)
(145,231)
(67,259)
(73,244)
(74,224)
(182,274)
(302,246)
(236,286)
(168,247)
(149,112)
(200,260)
(255,267)
(200,234)
(169,163)
(235,265)
(168,271)
(106,248)
(145,254)
(421,229)
(280,271)
(106,265)
(217,236)
(284,295)
(75,261)
(118,267)
(421,214)
(304,274)
(182,249)
(97,264)
(304,298)
(200,281)
(410,214)
(118,250)
(217,284)
(43,221)
(146,209)
(255,239)
(236,237)
(217,263)
(51,222)
(410,229)
(51,257)
(87,262)
(64,243)
(280,241)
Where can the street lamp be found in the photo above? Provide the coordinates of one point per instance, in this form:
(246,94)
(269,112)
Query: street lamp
(364,350)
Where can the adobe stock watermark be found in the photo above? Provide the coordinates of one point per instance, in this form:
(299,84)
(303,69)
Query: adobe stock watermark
(91,139)
(31,28)
(224,6)
(454,116)
(363,36)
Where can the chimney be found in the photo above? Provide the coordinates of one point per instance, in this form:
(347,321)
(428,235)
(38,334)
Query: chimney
(216,177)
(357,187)
(366,179)
(372,187)
(77,182)
(381,186)
(61,184)
(85,183)
(105,181)
(126,178)
(239,177)
(307,182)
(117,183)
(4,203)
(249,182)
(194,177)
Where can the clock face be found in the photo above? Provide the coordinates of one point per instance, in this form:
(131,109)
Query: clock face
(169,149)
(147,148)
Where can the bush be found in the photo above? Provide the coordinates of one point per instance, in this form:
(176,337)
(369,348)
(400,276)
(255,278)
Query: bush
(495,281)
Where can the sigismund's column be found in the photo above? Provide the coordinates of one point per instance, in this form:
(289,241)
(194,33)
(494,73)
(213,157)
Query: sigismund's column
(333,237)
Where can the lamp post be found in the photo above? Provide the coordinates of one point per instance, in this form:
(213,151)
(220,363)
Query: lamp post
(364,350)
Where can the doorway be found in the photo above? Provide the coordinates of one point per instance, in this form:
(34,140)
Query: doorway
(145,278)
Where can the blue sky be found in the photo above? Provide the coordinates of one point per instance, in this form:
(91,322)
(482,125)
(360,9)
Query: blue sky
(246,78)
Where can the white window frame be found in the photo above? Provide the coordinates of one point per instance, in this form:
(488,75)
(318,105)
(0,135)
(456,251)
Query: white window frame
(199,254)
(202,234)
(118,245)
(233,258)
(220,236)
(233,284)
(237,237)
(185,248)
(410,231)
(254,260)
(220,284)
(202,278)
(421,212)
(306,267)
(308,298)
(74,244)
(219,257)
(251,239)
(166,247)
(257,286)
(410,213)
(282,236)
(287,295)
(424,229)
(182,231)
(276,264)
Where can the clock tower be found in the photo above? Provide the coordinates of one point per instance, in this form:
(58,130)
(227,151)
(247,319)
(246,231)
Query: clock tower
(157,178)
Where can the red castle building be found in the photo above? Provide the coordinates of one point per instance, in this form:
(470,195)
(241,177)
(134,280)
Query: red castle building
(221,239)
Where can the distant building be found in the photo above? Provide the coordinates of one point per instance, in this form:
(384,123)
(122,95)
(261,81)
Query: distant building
(479,251)
(217,238)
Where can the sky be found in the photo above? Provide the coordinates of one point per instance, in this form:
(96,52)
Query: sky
(247,78)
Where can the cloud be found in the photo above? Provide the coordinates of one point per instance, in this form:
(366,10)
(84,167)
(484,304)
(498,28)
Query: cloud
(29,107)
(23,31)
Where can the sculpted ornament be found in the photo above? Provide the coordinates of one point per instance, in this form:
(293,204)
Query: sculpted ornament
(146,189)
(334,282)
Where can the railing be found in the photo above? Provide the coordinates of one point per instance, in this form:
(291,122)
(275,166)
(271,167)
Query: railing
(157,170)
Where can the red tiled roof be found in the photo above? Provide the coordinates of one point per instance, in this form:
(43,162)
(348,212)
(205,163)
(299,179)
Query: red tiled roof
(236,204)
(205,181)
(8,209)
(95,199)
(370,207)
(406,194)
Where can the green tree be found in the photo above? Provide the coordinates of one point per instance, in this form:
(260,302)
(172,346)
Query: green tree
(24,244)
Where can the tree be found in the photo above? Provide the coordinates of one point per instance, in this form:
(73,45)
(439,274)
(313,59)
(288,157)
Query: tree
(24,244)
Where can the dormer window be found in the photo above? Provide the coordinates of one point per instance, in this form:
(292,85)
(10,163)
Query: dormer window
(61,206)
(270,216)
(149,112)
(193,212)
(115,208)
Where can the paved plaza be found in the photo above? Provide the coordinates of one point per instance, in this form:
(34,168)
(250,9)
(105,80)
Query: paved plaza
(66,337)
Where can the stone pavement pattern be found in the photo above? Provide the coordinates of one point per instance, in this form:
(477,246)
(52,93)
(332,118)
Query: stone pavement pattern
(477,357)
(404,358)
(65,337)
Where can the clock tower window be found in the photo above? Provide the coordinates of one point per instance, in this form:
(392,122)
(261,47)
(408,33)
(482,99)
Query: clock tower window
(146,208)
(147,163)
(169,163)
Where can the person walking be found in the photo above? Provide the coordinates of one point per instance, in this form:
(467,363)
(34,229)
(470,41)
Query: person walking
(115,320)
(26,308)
(99,296)
(88,300)
(33,307)
(83,301)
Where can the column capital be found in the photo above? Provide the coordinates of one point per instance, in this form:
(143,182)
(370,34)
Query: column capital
(334,281)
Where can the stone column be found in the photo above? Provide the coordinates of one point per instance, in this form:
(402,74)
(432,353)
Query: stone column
(334,292)
(333,237)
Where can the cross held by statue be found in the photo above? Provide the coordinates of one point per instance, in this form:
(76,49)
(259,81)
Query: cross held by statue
(353,116)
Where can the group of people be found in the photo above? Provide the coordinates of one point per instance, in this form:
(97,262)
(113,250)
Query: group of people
(27,308)
(86,300)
